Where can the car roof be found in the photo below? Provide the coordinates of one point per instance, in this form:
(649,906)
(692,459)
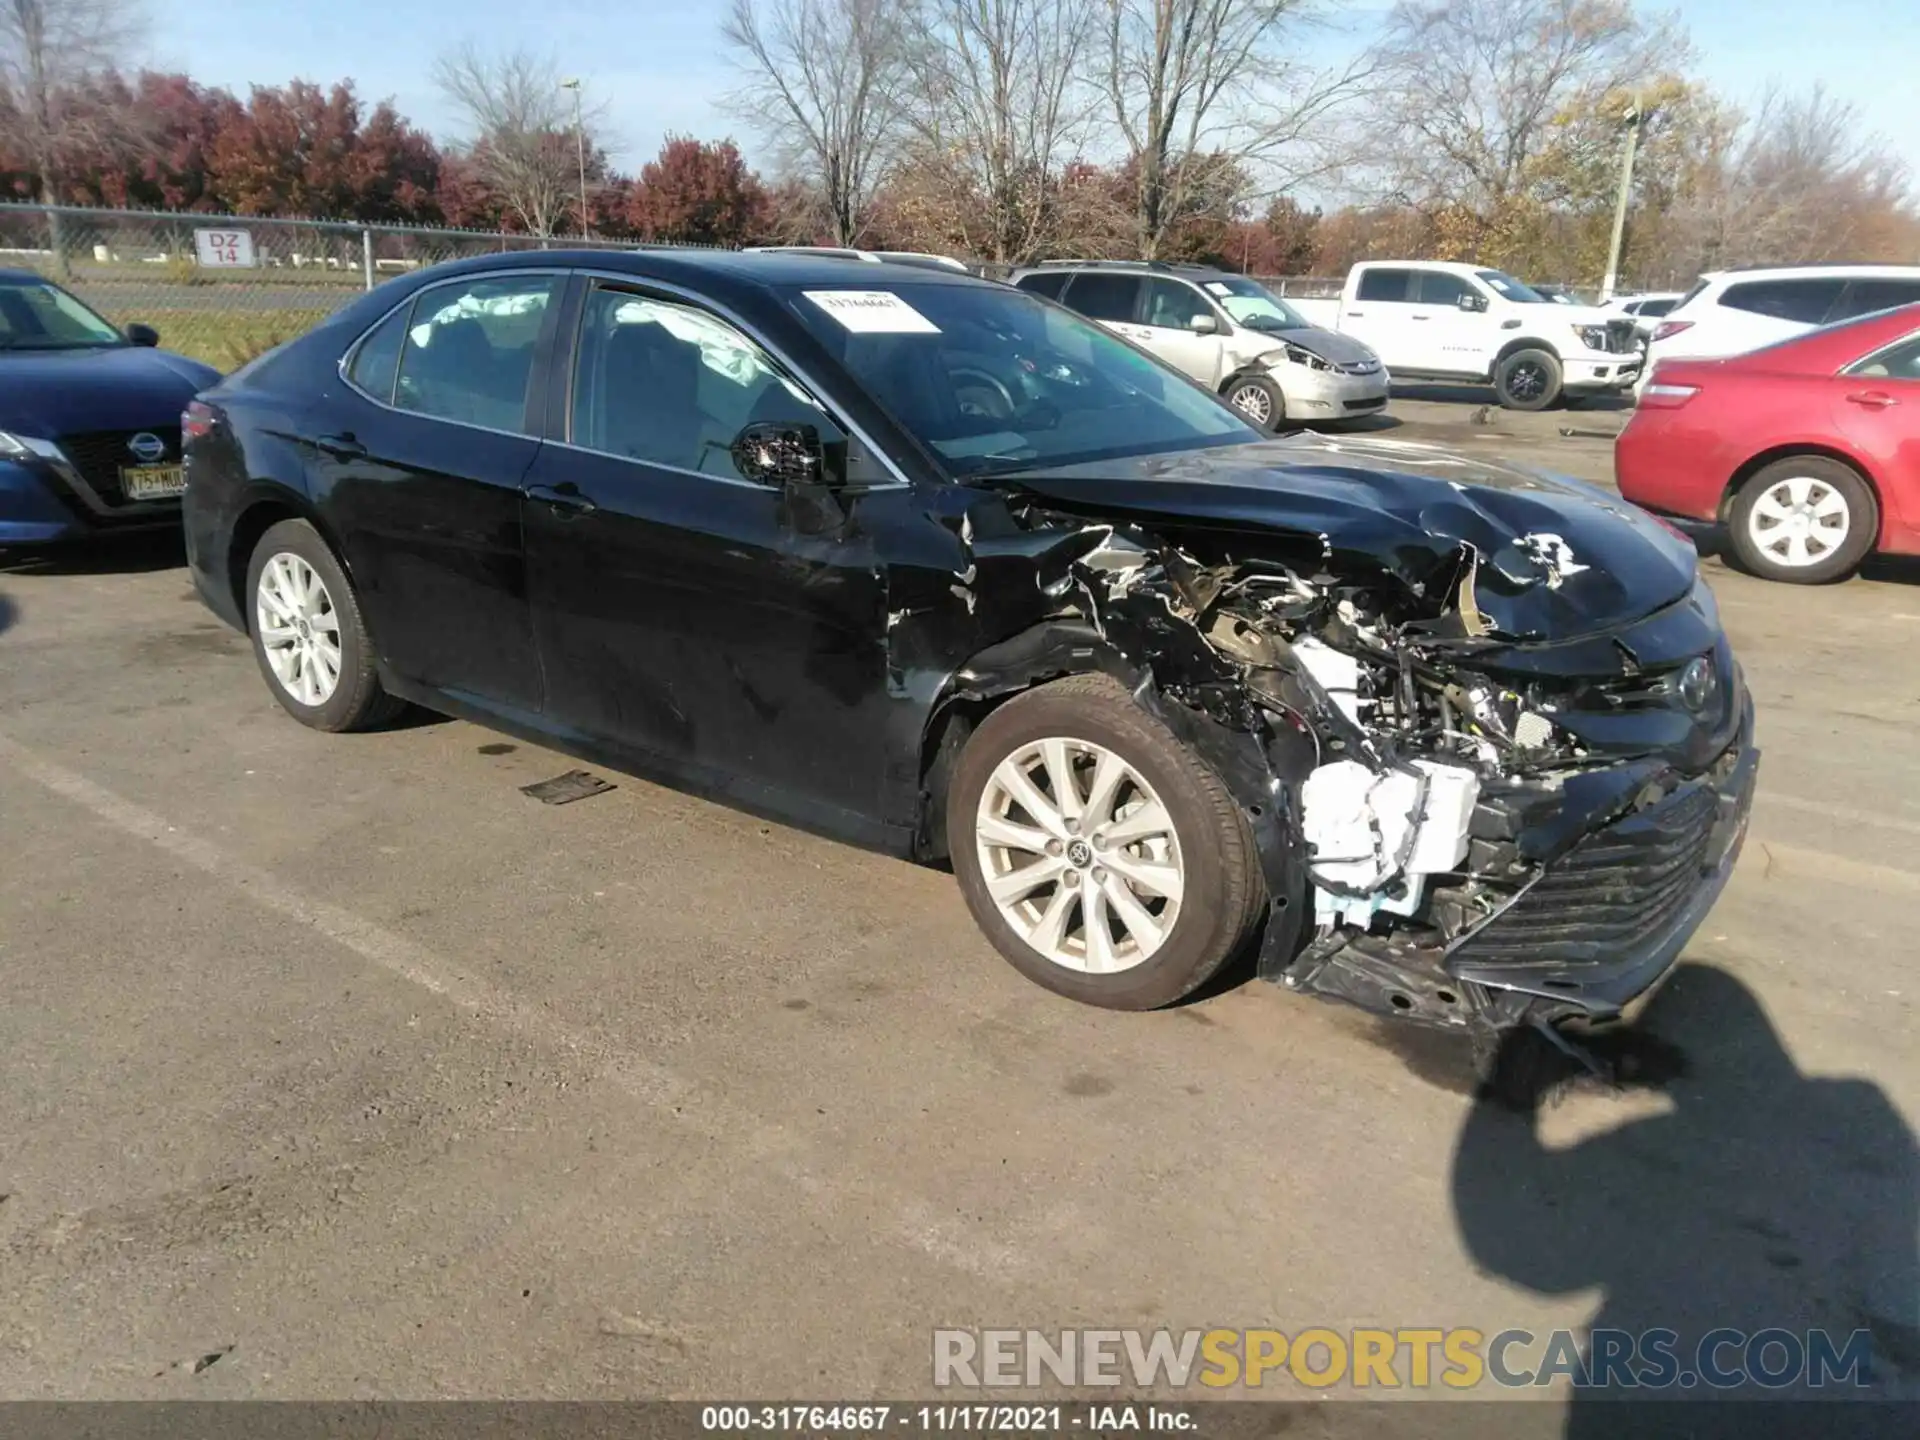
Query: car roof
(685,266)
(1814,271)
(1128,267)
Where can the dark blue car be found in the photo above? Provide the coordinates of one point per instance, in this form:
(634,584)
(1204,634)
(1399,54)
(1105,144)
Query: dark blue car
(89,418)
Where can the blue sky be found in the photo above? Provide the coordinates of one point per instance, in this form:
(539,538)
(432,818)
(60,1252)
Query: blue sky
(660,66)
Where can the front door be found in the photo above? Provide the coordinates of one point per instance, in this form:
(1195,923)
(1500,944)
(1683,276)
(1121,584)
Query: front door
(731,629)
(1441,336)
(1167,330)
(422,482)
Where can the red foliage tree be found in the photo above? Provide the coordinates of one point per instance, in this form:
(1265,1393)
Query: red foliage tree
(299,150)
(699,191)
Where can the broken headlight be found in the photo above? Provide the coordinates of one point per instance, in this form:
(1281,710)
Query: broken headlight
(1297,356)
(1594,337)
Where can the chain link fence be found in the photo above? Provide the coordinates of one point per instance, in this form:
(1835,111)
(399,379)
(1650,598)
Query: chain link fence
(223,288)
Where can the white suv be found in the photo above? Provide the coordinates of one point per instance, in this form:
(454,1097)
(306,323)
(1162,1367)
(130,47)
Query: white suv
(1730,312)
(1229,333)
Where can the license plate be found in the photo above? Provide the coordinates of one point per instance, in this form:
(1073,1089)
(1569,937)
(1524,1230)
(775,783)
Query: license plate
(153,482)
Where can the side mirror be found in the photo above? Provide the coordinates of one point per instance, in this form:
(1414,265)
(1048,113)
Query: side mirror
(138,334)
(779,455)
(1204,325)
(1472,302)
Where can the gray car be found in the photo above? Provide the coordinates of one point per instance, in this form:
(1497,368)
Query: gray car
(1228,332)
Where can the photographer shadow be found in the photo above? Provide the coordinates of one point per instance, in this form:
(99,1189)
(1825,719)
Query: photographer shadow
(1763,1199)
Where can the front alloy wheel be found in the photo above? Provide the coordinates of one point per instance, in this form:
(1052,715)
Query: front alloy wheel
(1101,857)
(1259,400)
(1080,855)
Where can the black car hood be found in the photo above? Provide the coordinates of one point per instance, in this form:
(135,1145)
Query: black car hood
(1329,345)
(49,393)
(1552,559)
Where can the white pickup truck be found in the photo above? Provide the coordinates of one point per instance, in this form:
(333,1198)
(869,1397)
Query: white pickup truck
(1434,320)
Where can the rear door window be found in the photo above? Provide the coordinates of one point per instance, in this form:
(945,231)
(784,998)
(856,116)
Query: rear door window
(1865,296)
(469,350)
(1898,361)
(1385,284)
(1174,304)
(378,357)
(1045,282)
(1804,301)
(1102,295)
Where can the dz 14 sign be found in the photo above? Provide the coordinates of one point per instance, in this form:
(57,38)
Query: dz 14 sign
(223,249)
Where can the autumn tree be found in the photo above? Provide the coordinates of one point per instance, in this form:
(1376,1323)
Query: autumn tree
(700,192)
(825,83)
(997,113)
(301,150)
(48,50)
(520,141)
(1191,82)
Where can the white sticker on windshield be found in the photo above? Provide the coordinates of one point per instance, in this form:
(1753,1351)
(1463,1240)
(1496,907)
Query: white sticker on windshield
(1217,288)
(872,312)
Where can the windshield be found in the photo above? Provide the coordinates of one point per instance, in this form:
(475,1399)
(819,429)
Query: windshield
(1509,288)
(1253,305)
(37,316)
(992,380)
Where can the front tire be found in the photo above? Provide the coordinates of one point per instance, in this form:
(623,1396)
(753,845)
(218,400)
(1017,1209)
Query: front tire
(1528,380)
(1259,399)
(1101,857)
(1804,520)
(308,635)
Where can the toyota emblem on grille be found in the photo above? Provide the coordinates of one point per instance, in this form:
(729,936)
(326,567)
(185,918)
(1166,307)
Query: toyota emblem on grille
(1698,684)
(147,447)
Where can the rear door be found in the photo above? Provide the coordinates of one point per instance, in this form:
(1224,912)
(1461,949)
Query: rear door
(1760,312)
(1877,406)
(1167,320)
(1111,297)
(1378,312)
(419,472)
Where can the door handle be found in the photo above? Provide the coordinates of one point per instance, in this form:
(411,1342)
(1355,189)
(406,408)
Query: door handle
(341,447)
(564,497)
(1871,399)
(1419,317)
(1356,314)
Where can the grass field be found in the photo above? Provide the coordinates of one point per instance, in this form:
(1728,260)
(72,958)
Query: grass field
(225,339)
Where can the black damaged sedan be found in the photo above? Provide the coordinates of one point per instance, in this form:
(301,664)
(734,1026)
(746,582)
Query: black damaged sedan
(933,565)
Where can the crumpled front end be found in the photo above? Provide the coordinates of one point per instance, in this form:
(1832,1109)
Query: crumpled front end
(1457,826)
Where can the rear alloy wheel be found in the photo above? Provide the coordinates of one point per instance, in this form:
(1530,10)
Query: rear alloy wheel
(308,636)
(1259,399)
(1805,520)
(1101,857)
(1527,380)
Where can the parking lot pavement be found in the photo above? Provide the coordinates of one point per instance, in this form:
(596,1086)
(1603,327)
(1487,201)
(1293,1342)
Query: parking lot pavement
(344,1062)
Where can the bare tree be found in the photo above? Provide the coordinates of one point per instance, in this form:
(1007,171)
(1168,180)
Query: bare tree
(47,48)
(825,86)
(1195,85)
(1475,87)
(520,126)
(999,112)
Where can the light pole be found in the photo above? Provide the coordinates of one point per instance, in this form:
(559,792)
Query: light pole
(580,148)
(1634,119)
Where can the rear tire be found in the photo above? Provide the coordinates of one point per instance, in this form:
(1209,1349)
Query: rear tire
(1259,400)
(1528,380)
(1804,520)
(1145,817)
(309,638)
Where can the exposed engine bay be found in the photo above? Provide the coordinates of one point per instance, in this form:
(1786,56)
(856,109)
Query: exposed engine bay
(1458,824)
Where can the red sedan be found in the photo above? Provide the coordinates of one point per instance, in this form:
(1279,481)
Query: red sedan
(1807,451)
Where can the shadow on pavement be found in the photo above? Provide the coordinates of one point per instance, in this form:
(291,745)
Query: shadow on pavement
(9,613)
(100,555)
(1764,1198)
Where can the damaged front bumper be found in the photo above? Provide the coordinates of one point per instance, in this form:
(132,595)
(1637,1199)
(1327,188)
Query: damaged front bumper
(1597,929)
